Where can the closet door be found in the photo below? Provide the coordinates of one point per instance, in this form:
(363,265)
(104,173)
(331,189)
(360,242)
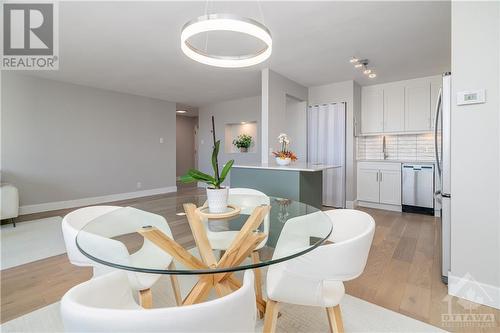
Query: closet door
(326,145)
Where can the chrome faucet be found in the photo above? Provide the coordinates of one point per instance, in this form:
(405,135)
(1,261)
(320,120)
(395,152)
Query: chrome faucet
(384,148)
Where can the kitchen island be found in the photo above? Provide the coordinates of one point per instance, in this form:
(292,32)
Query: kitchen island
(298,181)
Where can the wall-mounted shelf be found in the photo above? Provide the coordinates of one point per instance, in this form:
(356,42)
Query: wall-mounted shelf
(231,132)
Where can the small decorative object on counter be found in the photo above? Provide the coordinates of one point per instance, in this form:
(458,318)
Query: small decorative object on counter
(216,193)
(284,156)
(243,142)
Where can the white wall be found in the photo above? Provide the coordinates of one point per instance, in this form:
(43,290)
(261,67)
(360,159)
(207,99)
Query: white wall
(185,146)
(64,142)
(475,152)
(275,89)
(228,112)
(349,92)
(296,126)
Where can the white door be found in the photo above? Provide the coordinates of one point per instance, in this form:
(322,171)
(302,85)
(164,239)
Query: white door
(418,106)
(390,187)
(394,109)
(368,185)
(372,110)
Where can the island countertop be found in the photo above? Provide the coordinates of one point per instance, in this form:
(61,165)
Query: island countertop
(297,166)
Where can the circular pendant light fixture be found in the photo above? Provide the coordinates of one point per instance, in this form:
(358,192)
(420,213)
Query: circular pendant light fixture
(226,22)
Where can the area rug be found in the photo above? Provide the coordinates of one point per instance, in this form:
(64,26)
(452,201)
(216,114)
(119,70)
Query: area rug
(358,315)
(31,241)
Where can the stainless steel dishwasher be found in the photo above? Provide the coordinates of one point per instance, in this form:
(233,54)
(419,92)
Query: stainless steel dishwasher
(418,188)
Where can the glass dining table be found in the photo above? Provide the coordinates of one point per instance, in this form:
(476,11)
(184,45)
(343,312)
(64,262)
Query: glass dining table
(269,230)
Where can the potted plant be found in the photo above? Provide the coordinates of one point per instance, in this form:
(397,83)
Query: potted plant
(243,142)
(216,193)
(283,155)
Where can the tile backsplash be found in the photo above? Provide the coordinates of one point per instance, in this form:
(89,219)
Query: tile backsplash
(405,147)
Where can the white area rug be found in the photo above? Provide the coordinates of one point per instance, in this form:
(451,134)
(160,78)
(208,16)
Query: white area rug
(358,315)
(31,241)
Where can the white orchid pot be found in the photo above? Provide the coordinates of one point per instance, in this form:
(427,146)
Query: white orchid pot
(283,161)
(217,199)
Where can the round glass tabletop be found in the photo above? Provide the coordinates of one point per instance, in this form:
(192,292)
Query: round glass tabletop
(136,240)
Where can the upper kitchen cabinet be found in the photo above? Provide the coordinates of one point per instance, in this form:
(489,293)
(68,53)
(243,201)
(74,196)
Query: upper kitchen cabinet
(394,106)
(399,107)
(418,106)
(372,109)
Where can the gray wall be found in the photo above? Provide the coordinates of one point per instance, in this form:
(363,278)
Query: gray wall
(185,153)
(349,92)
(228,112)
(475,153)
(275,89)
(63,142)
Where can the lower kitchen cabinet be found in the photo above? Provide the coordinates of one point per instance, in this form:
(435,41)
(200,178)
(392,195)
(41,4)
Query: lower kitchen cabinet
(379,183)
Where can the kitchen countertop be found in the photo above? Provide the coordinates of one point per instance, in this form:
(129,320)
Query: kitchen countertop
(297,166)
(398,161)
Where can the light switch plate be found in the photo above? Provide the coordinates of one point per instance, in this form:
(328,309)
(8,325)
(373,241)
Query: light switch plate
(471,97)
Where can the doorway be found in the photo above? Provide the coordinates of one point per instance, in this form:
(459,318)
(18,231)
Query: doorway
(186,141)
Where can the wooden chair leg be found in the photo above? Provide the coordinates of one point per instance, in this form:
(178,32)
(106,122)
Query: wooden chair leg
(146,298)
(335,319)
(175,286)
(271,316)
(258,280)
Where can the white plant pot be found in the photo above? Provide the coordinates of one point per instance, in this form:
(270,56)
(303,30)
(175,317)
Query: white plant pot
(217,199)
(283,161)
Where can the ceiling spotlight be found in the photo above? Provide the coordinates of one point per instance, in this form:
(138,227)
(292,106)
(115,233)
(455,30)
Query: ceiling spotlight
(367,71)
(181,111)
(353,60)
(372,75)
(180,214)
(358,65)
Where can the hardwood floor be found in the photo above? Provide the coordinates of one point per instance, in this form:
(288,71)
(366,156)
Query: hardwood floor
(402,273)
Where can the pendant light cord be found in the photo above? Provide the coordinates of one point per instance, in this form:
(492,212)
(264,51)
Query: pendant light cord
(261,12)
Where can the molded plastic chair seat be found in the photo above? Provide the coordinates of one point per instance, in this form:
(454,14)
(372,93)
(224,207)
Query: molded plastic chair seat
(106,304)
(316,278)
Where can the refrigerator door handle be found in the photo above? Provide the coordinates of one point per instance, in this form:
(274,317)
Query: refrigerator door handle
(436,122)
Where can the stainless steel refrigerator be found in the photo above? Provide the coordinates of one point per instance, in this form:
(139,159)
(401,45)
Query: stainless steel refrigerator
(443,186)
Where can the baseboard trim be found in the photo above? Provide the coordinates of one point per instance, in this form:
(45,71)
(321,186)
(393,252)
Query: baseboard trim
(48,206)
(351,204)
(482,293)
(394,208)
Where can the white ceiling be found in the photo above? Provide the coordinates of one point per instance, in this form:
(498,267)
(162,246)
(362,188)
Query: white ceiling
(134,47)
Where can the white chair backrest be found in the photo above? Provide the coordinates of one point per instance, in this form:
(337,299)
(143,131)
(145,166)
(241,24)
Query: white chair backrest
(72,223)
(247,199)
(97,237)
(343,260)
(105,304)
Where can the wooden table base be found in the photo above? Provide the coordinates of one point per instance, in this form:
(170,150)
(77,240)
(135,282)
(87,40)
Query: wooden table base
(243,246)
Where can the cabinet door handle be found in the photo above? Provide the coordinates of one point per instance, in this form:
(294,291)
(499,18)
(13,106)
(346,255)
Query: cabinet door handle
(376,175)
(380,175)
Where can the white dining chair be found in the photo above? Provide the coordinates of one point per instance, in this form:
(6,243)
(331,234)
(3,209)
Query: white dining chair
(316,278)
(106,304)
(246,199)
(115,251)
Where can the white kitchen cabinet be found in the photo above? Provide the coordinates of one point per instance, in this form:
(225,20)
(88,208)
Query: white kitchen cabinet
(390,187)
(368,187)
(399,107)
(418,106)
(394,109)
(372,110)
(379,183)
